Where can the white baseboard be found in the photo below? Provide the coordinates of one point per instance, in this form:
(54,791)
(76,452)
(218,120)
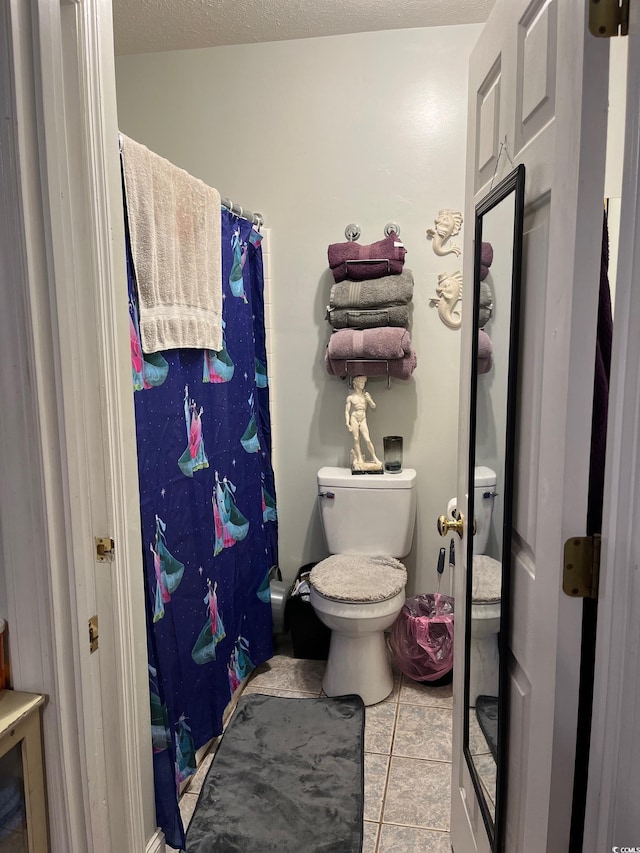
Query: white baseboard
(156,843)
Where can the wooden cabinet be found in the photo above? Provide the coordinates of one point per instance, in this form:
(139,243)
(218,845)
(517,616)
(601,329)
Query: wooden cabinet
(23,820)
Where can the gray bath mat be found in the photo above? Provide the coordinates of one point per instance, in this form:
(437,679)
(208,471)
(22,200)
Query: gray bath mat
(288,776)
(487,714)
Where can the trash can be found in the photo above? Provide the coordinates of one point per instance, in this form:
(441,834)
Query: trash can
(422,638)
(309,637)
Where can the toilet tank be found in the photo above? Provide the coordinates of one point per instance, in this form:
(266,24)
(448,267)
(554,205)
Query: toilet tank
(367,513)
(483,498)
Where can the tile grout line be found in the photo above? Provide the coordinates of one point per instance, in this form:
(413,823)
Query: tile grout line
(386,781)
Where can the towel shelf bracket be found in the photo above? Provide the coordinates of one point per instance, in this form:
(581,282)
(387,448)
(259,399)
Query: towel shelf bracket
(357,361)
(352,314)
(369,261)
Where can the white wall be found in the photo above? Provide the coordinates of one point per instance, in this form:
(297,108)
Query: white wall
(316,134)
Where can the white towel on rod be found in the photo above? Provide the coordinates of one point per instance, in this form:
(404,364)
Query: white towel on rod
(176,244)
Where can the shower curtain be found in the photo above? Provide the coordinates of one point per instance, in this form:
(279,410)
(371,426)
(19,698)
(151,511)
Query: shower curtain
(208,515)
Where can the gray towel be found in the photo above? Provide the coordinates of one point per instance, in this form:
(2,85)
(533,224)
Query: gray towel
(368,318)
(373,293)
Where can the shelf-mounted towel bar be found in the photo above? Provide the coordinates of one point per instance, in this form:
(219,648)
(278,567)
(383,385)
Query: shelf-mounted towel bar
(357,361)
(353,315)
(370,261)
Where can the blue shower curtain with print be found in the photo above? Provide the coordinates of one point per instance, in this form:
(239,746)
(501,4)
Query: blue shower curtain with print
(208,515)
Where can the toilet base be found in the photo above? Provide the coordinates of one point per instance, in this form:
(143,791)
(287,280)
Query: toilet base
(358,664)
(484,664)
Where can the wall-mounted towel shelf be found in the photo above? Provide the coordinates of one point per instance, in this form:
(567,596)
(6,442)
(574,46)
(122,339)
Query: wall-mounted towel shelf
(357,361)
(370,261)
(353,314)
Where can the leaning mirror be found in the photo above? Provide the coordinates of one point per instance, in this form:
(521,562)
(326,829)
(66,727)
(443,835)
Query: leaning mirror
(498,251)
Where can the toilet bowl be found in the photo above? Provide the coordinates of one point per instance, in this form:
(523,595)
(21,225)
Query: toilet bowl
(485,624)
(356,592)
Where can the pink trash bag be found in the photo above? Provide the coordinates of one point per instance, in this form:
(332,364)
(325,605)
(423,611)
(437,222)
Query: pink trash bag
(422,637)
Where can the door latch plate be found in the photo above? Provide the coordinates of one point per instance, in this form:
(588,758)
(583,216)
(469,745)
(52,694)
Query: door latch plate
(104,549)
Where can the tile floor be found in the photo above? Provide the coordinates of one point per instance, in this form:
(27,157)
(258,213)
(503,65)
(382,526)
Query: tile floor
(407,757)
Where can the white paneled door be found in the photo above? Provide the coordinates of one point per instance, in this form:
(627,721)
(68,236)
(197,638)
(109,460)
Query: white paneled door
(538,96)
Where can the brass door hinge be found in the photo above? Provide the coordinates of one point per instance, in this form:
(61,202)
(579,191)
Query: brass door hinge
(581,573)
(104,549)
(93,634)
(608,18)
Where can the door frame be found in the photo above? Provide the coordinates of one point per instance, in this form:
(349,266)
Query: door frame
(613,774)
(47,530)
(67,324)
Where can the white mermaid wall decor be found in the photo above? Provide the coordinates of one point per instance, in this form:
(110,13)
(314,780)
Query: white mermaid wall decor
(355,414)
(449,299)
(448,224)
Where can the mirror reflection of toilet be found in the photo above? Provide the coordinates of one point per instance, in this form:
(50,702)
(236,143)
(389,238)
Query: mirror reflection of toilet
(485,593)
(359,592)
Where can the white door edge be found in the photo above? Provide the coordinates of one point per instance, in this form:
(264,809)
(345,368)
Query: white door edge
(616,683)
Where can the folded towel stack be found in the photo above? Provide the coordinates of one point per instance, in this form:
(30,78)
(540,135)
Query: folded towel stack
(369,307)
(367,304)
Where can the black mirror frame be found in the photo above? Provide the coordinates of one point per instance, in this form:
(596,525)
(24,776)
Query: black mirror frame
(514,182)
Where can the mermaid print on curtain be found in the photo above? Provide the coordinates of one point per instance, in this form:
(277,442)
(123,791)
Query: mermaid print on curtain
(209,518)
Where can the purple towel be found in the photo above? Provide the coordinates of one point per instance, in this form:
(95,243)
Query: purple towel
(486,259)
(382,342)
(399,368)
(390,249)
(485,352)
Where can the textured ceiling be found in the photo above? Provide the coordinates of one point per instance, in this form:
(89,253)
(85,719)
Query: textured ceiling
(143,26)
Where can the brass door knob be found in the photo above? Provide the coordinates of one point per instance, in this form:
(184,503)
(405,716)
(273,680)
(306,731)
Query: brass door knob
(448,525)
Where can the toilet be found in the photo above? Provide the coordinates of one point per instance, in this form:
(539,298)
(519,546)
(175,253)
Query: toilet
(358,592)
(485,593)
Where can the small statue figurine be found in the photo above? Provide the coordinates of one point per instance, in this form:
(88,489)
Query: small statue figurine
(355,414)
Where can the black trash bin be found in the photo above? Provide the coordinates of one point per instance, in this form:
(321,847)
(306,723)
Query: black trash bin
(310,638)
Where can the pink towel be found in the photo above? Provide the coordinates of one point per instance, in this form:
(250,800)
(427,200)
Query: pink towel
(399,368)
(486,259)
(391,250)
(485,352)
(383,342)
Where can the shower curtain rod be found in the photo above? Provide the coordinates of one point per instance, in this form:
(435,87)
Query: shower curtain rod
(243,213)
